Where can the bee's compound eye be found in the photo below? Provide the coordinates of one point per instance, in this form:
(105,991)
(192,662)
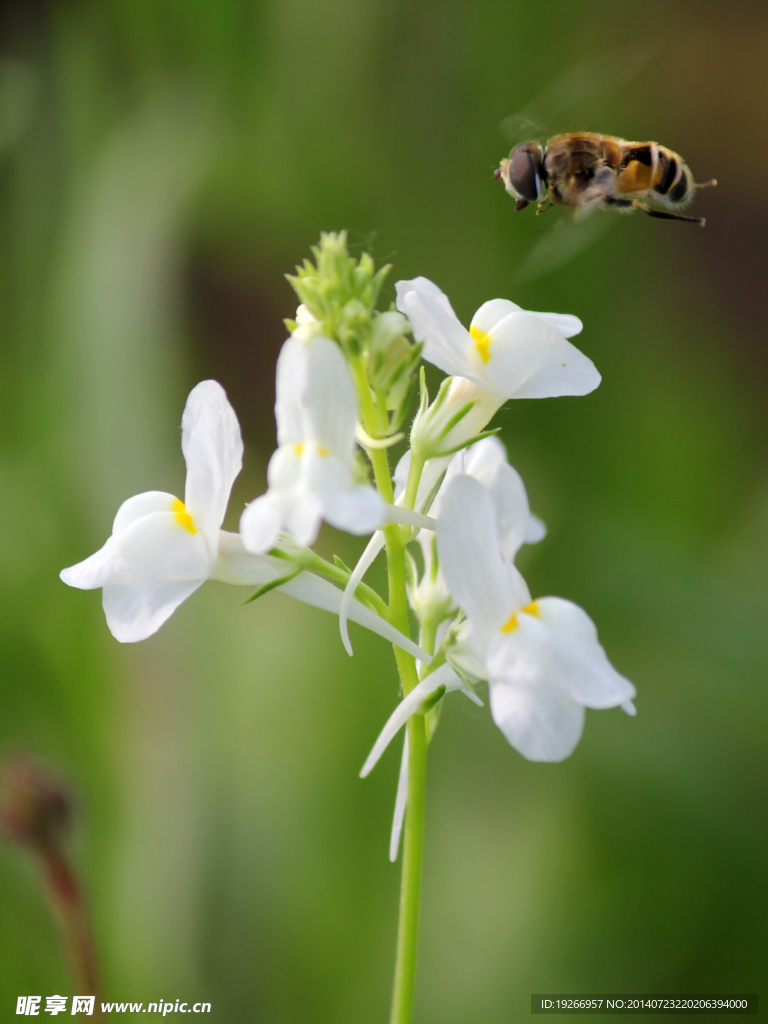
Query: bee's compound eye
(525,171)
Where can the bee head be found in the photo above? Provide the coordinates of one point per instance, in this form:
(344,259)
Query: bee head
(523,173)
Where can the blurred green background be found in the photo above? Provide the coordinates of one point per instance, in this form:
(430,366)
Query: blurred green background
(162,164)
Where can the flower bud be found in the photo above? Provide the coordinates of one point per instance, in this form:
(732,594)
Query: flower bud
(428,594)
(455,419)
(34,807)
(392,359)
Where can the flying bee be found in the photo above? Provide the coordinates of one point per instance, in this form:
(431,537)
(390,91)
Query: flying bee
(590,171)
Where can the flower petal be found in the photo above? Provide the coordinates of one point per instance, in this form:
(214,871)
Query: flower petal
(238,566)
(491,312)
(543,724)
(480,581)
(291,377)
(260,524)
(486,461)
(155,565)
(586,673)
(535,531)
(330,399)
(564,323)
(563,370)
(517,346)
(427,289)
(158,548)
(483,460)
(141,505)
(447,344)
(358,510)
(94,571)
(302,517)
(213,450)
(135,611)
(284,469)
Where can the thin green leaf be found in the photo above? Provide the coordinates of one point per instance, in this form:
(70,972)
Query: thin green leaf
(266,587)
(472,440)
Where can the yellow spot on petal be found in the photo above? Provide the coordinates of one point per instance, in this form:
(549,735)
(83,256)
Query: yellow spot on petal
(297,450)
(322,451)
(183,518)
(510,624)
(482,342)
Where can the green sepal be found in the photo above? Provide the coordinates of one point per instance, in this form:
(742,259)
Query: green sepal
(431,719)
(411,570)
(427,504)
(399,414)
(266,587)
(442,394)
(434,698)
(423,393)
(471,441)
(342,565)
(456,418)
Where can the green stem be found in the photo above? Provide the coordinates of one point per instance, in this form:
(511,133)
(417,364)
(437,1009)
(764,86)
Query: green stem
(414,476)
(410,887)
(413,846)
(313,562)
(374,421)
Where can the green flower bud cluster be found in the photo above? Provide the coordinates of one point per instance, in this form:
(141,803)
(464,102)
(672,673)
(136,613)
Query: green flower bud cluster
(338,296)
(339,291)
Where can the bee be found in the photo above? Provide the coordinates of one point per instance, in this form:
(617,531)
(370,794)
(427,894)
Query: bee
(591,171)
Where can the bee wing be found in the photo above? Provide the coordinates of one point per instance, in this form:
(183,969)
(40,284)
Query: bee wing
(568,238)
(580,97)
(520,128)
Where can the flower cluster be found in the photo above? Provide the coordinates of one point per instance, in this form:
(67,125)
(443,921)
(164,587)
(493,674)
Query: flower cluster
(456,516)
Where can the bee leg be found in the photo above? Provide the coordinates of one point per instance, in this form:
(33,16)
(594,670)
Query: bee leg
(543,207)
(707,184)
(663,215)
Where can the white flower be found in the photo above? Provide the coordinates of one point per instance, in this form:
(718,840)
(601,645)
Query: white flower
(312,476)
(542,659)
(507,351)
(162,549)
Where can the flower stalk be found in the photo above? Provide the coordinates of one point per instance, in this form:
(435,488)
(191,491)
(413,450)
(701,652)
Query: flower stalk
(413,843)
